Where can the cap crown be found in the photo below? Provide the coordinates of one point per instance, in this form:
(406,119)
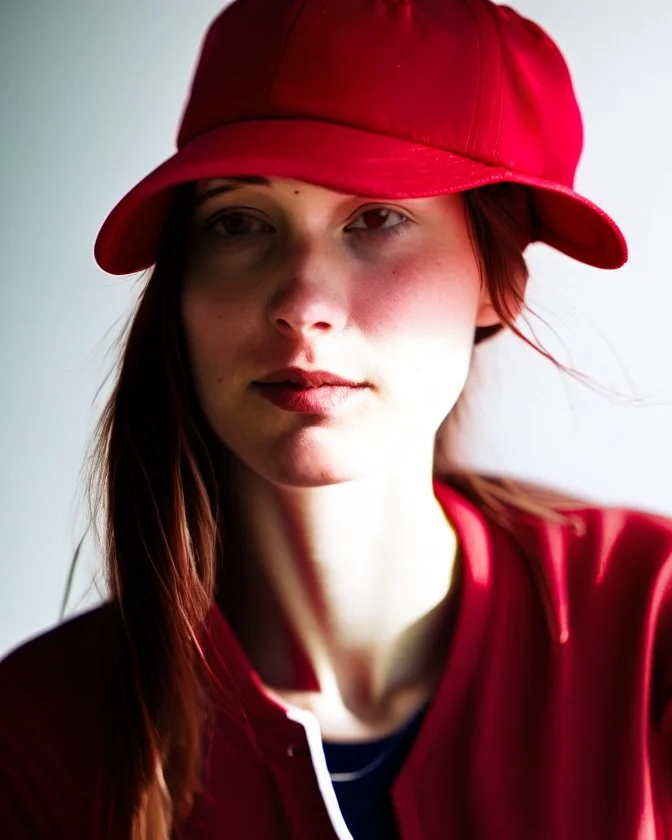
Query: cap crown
(464,76)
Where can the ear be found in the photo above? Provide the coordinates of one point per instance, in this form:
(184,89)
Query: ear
(486,315)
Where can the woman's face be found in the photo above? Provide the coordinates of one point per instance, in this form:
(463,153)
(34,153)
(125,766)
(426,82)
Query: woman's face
(385,294)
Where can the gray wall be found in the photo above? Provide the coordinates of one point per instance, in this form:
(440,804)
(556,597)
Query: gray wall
(90,97)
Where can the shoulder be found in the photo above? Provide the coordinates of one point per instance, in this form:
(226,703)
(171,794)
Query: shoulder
(600,569)
(604,539)
(567,527)
(543,512)
(58,683)
(58,678)
(592,544)
(56,696)
(584,560)
(67,656)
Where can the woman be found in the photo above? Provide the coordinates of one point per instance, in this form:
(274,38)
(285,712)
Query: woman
(311,633)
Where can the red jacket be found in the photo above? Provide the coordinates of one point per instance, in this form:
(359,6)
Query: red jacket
(551,720)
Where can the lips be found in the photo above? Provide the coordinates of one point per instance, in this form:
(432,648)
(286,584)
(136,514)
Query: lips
(300,378)
(309,391)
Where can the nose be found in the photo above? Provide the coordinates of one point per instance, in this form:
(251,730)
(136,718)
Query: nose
(311,298)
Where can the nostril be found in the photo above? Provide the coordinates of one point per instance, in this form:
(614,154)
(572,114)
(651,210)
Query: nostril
(292,750)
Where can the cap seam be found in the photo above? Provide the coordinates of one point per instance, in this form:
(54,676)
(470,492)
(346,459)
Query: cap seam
(276,70)
(484,115)
(479,81)
(500,97)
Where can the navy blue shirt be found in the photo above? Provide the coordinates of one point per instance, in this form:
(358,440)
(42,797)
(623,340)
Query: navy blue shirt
(362,775)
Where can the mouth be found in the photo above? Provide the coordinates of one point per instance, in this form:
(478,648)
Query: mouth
(317,397)
(297,386)
(306,379)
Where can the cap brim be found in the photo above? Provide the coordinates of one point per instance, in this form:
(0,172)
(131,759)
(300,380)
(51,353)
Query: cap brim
(351,161)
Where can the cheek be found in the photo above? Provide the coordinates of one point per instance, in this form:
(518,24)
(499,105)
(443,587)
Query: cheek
(211,293)
(423,317)
(433,300)
(215,342)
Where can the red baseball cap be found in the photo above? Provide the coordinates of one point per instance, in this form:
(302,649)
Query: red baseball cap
(383,98)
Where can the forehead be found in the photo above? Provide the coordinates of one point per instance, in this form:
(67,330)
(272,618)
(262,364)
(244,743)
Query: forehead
(230,184)
(205,186)
(280,187)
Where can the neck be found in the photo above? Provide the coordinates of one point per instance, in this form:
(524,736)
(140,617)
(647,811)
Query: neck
(358,572)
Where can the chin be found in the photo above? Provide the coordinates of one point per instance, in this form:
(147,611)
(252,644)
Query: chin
(306,481)
(306,462)
(315,472)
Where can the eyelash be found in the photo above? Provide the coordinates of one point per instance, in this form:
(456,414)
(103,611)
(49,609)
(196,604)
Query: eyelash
(395,229)
(398,228)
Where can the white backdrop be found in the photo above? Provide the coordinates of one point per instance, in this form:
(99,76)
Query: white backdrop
(90,97)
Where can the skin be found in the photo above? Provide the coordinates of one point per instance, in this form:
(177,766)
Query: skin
(336,518)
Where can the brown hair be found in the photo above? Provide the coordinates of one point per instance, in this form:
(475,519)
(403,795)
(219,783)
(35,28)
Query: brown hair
(154,478)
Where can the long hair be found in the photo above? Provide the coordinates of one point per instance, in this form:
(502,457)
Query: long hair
(154,475)
(155,480)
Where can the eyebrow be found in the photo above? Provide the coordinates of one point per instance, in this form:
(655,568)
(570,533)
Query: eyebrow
(234,184)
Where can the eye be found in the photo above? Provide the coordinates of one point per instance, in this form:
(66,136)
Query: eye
(236,223)
(381,219)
